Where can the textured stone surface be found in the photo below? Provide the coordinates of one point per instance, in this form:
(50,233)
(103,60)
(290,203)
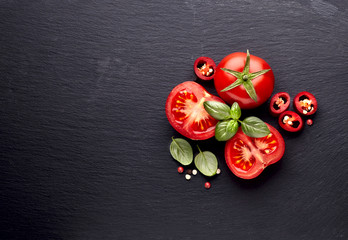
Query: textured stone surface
(84,140)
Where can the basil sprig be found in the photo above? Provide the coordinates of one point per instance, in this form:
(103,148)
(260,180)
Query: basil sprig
(228,118)
(181,151)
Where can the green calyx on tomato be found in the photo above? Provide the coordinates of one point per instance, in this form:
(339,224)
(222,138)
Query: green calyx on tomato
(244,78)
(228,118)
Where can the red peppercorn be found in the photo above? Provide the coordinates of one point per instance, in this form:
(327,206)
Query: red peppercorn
(207,185)
(309,122)
(180,169)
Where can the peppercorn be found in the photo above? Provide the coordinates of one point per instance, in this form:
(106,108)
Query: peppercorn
(180,169)
(309,122)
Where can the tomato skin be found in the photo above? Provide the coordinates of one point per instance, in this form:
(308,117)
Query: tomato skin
(282,108)
(292,117)
(263,84)
(260,158)
(299,108)
(209,63)
(190,118)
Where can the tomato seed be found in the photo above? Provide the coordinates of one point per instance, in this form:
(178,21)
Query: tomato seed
(180,169)
(207,185)
(309,122)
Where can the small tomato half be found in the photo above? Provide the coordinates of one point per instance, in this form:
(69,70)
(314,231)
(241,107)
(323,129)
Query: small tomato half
(186,113)
(247,157)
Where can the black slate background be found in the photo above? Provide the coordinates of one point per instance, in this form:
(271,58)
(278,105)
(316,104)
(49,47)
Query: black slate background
(84,140)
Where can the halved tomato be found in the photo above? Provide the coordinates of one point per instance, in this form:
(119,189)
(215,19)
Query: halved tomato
(247,157)
(186,113)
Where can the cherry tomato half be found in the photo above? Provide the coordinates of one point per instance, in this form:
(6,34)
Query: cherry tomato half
(290,121)
(280,102)
(247,157)
(305,103)
(263,84)
(204,68)
(186,113)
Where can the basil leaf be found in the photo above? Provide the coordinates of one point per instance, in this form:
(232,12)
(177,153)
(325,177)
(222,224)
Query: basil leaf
(226,129)
(217,110)
(206,163)
(254,127)
(235,111)
(181,151)
(249,87)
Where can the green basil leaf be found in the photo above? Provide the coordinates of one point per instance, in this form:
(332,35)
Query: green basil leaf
(254,127)
(226,129)
(235,111)
(206,163)
(249,87)
(181,151)
(217,110)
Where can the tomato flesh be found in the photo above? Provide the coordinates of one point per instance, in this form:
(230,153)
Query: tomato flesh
(247,157)
(186,113)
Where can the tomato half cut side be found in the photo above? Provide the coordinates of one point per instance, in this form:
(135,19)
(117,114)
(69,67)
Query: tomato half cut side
(186,113)
(290,121)
(279,103)
(204,68)
(305,103)
(247,157)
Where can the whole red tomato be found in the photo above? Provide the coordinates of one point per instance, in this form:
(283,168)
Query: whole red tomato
(186,113)
(247,157)
(245,79)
